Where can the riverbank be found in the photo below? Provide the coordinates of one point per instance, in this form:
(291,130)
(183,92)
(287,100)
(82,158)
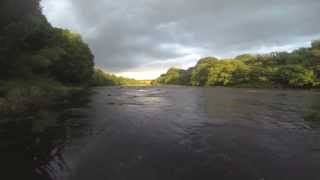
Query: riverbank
(21,96)
(249,86)
(270,87)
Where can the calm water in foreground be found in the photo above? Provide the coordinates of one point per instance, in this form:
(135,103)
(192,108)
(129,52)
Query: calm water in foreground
(167,133)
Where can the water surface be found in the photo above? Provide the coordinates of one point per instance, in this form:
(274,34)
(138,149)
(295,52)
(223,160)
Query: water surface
(156,133)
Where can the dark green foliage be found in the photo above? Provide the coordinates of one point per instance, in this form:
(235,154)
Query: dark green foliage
(31,47)
(75,61)
(37,61)
(200,72)
(100,78)
(296,76)
(16,10)
(298,69)
(19,41)
(29,95)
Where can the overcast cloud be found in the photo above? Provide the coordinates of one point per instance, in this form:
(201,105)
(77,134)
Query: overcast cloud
(142,38)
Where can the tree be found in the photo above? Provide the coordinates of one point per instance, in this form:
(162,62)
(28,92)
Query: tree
(226,73)
(315,44)
(297,69)
(315,51)
(174,76)
(31,47)
(12,11)
(261,74)
(246,58)
(207,60)
(75,63)
(296,76)
(23,30)
(199,76)
(241,73)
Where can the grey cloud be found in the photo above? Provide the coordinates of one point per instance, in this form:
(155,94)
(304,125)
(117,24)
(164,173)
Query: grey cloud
(125,34)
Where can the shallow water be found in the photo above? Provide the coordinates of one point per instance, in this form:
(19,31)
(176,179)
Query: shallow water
(167,133)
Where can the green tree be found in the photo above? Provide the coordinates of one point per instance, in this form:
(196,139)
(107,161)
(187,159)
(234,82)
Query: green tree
(226,73)
(200,73)
(174,76)
(296,76)
(75,61)
(297,69)
(31,47)
(246,58)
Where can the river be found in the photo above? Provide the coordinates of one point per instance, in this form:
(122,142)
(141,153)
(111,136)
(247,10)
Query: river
(167,133)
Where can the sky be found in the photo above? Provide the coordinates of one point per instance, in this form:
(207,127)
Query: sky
(143,38)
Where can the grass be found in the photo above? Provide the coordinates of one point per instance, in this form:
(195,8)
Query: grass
(18,96)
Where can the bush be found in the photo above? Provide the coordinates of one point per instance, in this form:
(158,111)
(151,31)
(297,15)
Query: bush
(296,76)
(24,96)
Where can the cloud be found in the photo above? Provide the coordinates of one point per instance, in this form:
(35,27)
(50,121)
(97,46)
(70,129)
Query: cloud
(126,35)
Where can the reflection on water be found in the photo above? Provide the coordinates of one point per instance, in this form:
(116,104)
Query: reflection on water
(32,143)
(166,133)
(312,114)
(273,108)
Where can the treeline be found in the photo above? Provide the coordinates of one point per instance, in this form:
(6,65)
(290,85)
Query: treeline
(32,48)
(100,78)
(298,69)
(39,62)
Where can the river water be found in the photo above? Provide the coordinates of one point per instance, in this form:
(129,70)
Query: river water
(167,133)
